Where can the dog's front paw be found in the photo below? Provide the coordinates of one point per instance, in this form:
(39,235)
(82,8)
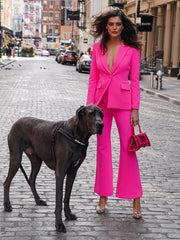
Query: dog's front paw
(41,202)
(60,227)
(71,216)
(7,207)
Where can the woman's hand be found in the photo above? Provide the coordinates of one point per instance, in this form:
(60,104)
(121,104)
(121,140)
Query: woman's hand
(135,117)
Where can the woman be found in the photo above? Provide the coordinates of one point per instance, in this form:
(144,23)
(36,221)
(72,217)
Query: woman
(114,57)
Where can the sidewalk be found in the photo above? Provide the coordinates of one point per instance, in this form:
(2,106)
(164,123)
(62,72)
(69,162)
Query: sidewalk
(170,88)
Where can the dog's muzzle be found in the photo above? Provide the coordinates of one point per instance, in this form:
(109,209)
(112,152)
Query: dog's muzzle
(99,127)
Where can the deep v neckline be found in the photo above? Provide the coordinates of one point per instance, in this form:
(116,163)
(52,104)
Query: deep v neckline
(114,59)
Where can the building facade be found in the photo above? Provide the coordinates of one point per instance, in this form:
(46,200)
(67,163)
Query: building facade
(51,20)
(56,28)
(6,17)
(17,17)
(165,34)
(66,24)
(164,37)
(32,21)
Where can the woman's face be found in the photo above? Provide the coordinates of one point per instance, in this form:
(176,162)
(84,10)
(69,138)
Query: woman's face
(114,26)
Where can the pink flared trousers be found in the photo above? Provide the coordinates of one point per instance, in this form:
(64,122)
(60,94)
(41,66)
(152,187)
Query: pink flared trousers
(128,182)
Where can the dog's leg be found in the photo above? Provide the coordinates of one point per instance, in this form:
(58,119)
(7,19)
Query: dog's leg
(35,167)
(58,211)
(69,184)
(15,160)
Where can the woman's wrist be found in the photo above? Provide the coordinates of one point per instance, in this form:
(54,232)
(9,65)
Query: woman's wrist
(135,110)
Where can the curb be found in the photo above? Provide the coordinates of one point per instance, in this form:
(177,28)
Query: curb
(5,64)
(167,98)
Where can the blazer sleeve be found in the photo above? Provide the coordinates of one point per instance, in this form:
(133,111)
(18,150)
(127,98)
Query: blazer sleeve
(134,78)
(93,77)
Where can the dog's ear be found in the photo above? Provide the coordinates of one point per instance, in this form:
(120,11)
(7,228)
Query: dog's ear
(80,111)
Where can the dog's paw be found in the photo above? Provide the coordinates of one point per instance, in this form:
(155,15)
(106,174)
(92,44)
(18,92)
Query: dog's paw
(7,207)
(60,228)
(41,202)
(71,216)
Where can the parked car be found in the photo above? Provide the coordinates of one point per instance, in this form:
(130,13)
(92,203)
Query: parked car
(45,53)
(59,54)
(52,51)
(69,57)
(38,51)
(83,63)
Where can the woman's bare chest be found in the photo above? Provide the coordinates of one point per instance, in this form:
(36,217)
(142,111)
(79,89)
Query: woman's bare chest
(111,56)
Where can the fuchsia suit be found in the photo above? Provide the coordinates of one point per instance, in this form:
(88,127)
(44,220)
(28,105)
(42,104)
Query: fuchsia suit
(117,97)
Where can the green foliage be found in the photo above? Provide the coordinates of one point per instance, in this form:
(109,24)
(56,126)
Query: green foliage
(27,50)
(3,50)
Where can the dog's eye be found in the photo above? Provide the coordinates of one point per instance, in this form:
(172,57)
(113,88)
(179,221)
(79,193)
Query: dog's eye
(92,112)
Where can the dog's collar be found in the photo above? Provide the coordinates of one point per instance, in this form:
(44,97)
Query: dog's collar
(61,129)
(66,134)
(71,137)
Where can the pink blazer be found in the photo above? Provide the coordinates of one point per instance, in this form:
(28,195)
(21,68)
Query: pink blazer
(122,94)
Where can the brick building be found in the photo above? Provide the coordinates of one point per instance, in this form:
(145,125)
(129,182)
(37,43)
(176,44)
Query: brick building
(56,28)
(51,20)
(66,25)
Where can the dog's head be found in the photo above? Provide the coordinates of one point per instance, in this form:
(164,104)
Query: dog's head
(92,117)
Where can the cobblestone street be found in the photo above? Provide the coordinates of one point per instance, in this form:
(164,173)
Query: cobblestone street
(42,88)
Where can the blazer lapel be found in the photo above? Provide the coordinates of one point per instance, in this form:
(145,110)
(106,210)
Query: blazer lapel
(104,62)
(120,56)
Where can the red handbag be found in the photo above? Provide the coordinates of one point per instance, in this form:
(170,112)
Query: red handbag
(138,141)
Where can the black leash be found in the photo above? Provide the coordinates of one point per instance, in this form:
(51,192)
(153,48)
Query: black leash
(67,135)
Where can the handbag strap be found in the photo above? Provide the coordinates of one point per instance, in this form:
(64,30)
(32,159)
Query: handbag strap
(139,129)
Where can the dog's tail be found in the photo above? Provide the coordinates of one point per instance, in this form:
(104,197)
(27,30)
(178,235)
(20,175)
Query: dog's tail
(25,175)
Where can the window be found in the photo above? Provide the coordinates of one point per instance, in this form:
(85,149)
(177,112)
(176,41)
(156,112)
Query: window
(56,29)
(51,4)
(64,35)
(50,29)
(57,4)
(16,26)
(16,10)
(51,16)
(45,4)
(45,16)
(44,28)
(32,18)
(26,8)
(56,17)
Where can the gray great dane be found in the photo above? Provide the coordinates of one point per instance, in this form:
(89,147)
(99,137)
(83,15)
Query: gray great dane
(61,145)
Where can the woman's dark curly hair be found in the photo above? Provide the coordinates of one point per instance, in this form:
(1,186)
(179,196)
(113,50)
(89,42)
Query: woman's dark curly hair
(128,35)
